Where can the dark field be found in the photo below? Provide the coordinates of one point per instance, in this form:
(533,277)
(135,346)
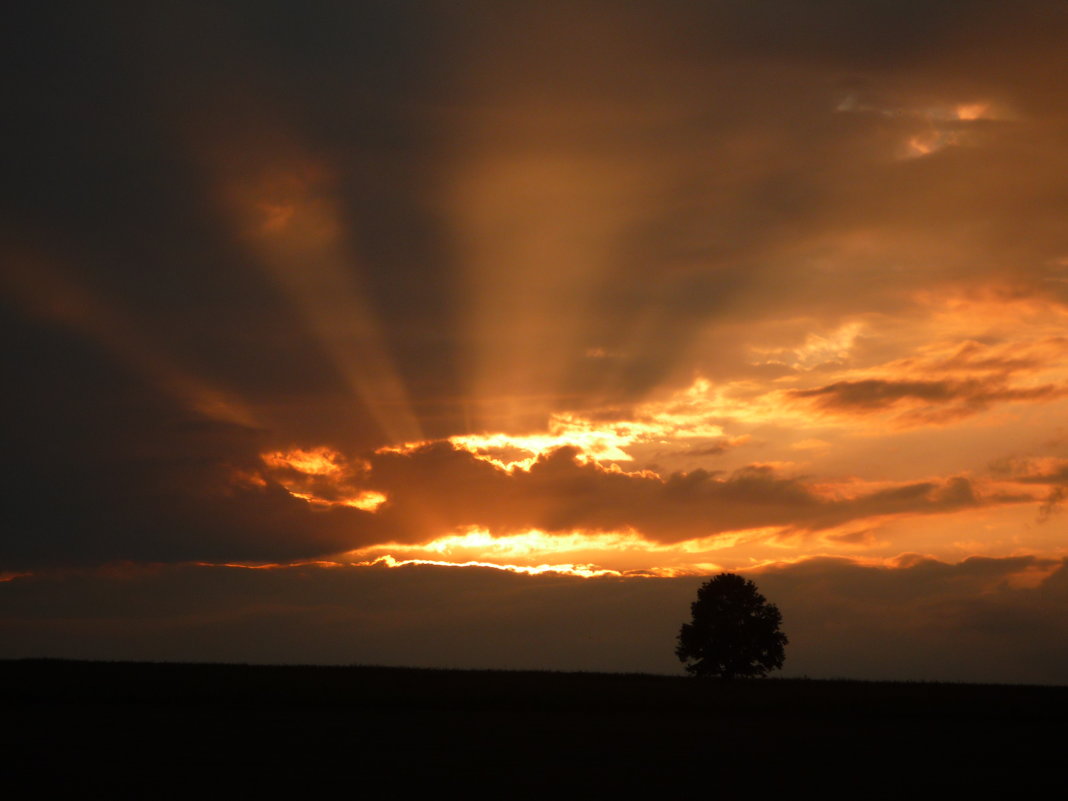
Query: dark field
(114,730)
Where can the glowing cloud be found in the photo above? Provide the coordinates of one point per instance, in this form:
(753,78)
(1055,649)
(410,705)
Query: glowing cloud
(601,438)
(940,125)
(817,349)
(323,477)
(320,461)
(613,552)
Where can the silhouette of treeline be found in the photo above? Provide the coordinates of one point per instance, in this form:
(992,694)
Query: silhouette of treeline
(161,729)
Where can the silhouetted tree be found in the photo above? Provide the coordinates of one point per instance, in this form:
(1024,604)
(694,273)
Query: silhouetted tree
(735,631)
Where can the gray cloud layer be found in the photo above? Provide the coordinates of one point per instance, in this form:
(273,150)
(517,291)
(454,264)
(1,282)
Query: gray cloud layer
(560,494)
(923,620)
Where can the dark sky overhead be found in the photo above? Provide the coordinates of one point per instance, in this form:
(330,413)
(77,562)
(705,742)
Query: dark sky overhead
(479,334)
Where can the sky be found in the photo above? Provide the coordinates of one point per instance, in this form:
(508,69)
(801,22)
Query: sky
(480,334)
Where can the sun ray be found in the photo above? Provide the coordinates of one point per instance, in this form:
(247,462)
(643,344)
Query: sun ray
(50,292)
(280,200)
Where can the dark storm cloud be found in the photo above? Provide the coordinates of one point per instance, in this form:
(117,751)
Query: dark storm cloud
(176,494)
(920,620)
(101,465)
(437,488)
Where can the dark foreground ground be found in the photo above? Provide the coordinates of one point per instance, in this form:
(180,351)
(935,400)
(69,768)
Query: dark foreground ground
(128,730)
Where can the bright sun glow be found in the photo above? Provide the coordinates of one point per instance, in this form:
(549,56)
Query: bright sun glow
(582,571)
(685,416)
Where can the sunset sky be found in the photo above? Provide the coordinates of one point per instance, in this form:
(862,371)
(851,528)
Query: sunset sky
(479,334)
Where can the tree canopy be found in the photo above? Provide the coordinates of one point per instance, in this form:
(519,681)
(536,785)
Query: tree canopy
(734,631)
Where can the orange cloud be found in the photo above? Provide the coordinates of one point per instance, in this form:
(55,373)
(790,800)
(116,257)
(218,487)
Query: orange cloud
(932,401)
(321,461)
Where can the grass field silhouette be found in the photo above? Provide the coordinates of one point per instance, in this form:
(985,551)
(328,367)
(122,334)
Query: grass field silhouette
(164,730)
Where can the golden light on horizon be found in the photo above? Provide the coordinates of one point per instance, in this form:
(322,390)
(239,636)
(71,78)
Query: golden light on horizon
(581,571)
(610,553)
